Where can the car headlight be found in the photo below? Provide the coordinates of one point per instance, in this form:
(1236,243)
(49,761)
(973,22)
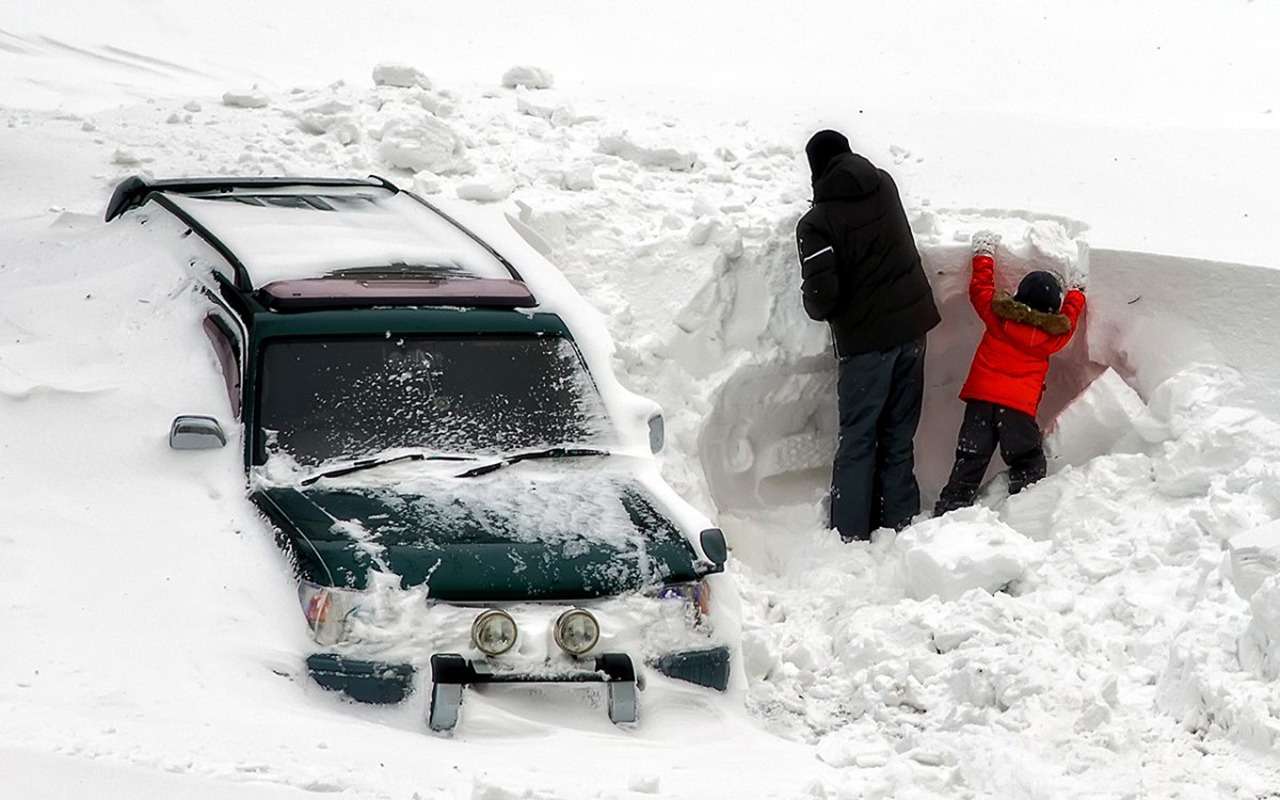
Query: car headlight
(494,632)
(577,631)
(327,610)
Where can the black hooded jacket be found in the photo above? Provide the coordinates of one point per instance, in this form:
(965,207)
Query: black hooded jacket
(859,265)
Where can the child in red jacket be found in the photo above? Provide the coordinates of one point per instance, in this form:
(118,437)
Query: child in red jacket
(1006,380)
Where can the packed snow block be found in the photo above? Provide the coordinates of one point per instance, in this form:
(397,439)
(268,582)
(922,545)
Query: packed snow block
(1255,557)
(487,188)
(1259,648)
(966,549)
(253,98)
(419,142)
(1098,421)
(403,76)
(528,77)
(639,150)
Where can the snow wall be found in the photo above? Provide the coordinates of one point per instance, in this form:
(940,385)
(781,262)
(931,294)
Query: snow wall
(770,436)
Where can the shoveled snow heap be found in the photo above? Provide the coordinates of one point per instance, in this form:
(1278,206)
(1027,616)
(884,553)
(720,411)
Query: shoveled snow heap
(1081,639)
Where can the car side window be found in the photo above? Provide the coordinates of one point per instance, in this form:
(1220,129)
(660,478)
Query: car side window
(228,352)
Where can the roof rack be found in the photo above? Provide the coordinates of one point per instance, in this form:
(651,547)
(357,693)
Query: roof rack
(133,191)
(136,191)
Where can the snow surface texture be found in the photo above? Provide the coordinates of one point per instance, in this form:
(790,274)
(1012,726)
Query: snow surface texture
(1084,638)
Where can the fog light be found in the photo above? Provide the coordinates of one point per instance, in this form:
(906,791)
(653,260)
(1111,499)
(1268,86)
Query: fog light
(493,632)
(577,631)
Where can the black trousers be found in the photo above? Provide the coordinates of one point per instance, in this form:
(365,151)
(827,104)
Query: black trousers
(873,481)
(986,425)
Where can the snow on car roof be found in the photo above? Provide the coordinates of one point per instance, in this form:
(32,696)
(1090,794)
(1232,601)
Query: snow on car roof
(294,232)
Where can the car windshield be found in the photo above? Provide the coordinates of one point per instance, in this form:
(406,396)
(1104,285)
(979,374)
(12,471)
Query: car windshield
(328,399)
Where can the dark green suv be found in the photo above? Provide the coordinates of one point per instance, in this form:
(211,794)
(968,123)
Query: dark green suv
(461,502)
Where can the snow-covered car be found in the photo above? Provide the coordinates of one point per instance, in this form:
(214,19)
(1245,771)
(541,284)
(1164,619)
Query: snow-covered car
(459,499)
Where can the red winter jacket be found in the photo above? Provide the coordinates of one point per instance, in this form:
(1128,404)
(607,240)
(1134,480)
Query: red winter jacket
(1013,357)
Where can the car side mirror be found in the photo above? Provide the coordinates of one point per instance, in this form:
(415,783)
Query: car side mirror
(657,433)
(194,432)
(715,547)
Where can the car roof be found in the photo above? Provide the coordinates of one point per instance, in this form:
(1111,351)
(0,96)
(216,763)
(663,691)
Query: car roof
(311,243)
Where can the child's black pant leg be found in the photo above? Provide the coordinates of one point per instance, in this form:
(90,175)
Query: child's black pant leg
(974,448)
(1021,447)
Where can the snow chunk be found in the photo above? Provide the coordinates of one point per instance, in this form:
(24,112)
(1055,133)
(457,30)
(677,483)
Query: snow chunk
(1099,421)
(644,784)
(1255,557)
(336,117)
(125,158)
(404,76)
(1260,645)
(254,98)
(421,141)
(580,176)
(966,549)
(546,105)
(487,189)
(647,154)
(192,105)
(527,76)
(426,182)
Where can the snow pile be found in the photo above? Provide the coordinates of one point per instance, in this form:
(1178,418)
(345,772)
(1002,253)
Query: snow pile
(1124,607)
(965,550)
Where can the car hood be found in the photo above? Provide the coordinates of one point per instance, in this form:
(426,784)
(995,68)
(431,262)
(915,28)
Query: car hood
(506,536)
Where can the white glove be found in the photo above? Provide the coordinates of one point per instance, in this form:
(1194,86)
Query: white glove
(1076,278)
(985,243)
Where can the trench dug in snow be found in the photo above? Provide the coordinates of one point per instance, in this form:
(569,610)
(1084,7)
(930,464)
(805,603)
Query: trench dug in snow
(770,436)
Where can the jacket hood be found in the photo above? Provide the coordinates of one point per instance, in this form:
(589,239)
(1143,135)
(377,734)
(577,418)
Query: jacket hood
(847,177)
(1006,307)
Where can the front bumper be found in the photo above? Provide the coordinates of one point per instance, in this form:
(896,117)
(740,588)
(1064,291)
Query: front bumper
(451,673)
(380,682)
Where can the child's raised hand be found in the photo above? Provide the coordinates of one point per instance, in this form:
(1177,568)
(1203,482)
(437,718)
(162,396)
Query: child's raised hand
(985,243)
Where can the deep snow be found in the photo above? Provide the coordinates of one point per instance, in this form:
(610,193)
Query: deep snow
(1083,639)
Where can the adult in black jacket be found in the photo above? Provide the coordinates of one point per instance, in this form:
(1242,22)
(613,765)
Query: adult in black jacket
(861,274)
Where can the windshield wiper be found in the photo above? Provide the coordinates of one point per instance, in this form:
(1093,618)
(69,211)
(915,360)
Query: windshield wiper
(532,455)
(370,463)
